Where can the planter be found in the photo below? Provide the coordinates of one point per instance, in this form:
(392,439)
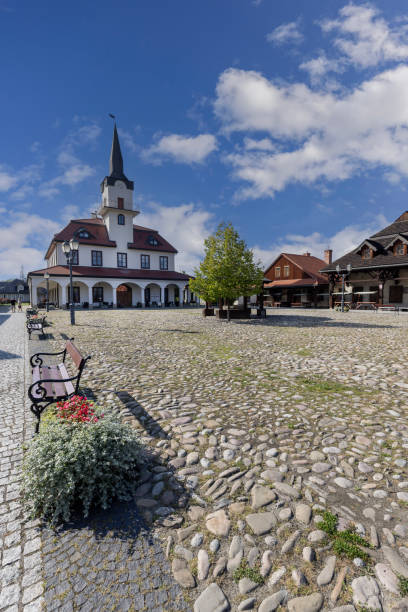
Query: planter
(235,313)
(208,312)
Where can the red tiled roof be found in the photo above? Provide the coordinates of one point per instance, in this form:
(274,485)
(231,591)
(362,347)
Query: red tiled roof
(298,282)
(99,236)
(307,263)
(96,228)
(125,273)
(141,237)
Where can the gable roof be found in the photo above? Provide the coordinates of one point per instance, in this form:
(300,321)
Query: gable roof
(141,237)
(99,236)
(96,228)
(382,240)
(309,264)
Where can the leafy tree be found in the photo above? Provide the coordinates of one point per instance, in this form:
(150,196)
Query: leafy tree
(228,270)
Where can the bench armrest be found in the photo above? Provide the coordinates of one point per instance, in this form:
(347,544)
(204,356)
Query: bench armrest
(36,360)
(43,391)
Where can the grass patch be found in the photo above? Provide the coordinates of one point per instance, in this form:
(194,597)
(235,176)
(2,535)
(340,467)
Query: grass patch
(320,385)
(304,353)
(244,571)
(345,543)
(403,585)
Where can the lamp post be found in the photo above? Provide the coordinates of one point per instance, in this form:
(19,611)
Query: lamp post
(47,278)
(343,276)
(69,249)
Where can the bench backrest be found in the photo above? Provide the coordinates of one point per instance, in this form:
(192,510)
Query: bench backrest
(74,353)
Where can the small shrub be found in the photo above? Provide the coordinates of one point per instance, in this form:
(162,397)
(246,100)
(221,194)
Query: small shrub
(75,465)
(244,571)
(345,543)
(403,585)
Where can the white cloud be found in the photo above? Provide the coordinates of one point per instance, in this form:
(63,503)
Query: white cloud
(21,193)
(74,175)
(341,242)
(264,144)
(182,149)
(185,227)
(7,180)
(22,240)
(322,136)
(128,140)
(47,191)
(319,66)
(286,33)
(365,38)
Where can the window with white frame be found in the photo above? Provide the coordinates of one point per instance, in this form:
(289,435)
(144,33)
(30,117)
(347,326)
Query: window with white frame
(145,262)
(122,260)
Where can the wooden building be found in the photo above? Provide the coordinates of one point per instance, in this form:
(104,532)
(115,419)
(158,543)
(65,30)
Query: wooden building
(296,280)
(379,269)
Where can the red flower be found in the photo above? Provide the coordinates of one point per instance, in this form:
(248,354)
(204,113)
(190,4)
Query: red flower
(77,409)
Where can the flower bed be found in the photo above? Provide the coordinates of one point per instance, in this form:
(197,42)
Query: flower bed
(82,458)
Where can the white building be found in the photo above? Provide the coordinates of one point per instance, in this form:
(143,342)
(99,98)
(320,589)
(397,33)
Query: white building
(118,263)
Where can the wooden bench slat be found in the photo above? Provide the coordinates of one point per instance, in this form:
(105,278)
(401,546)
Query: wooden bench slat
(74,353)
(64,374)
(59,387)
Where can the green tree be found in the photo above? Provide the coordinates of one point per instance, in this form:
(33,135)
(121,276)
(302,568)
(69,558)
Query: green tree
(228,270)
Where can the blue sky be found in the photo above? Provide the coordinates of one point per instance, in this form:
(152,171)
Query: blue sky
(288,119)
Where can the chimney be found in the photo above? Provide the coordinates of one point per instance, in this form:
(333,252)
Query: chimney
(328,256)
(306,254)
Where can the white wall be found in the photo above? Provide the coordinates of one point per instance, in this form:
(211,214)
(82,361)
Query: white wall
(109,259)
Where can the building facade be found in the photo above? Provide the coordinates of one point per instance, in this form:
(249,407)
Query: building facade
(295,280)
(118,263)
(378,267)
(15,289)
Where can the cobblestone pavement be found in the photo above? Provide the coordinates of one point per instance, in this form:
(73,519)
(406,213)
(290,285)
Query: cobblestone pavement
(20,577)
(265,424)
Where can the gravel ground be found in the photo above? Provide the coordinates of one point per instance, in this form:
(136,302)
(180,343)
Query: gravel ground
(256,428)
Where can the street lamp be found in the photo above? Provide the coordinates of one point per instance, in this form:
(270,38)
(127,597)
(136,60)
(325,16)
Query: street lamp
(343,276)
(47,278)
(69,249)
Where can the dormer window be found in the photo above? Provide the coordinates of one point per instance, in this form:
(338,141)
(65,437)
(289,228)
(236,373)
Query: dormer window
(366,252)
(121,219)
(83,234)
(399,248)
(152,241)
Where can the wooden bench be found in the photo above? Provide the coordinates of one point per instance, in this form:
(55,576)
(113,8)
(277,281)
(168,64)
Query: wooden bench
(35,325)
(53,383)
(387,308)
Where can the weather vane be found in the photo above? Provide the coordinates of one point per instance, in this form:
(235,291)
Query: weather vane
(113,116)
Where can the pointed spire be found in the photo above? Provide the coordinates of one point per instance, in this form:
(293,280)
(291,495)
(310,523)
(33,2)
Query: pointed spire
(116,165)
(116,160)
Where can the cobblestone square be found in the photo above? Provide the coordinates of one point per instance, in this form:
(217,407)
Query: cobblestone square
(255,427)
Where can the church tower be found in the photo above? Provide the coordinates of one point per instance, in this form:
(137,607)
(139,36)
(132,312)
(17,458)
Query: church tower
(117,198)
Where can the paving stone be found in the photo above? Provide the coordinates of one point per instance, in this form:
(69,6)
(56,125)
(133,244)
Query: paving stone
(212,599)
(309,603)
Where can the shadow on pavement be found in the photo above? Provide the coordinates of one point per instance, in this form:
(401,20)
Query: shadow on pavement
(299,321)
(6,355)
(152,427)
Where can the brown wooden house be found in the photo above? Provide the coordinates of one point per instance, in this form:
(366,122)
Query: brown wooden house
(379,269)
(295,280)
